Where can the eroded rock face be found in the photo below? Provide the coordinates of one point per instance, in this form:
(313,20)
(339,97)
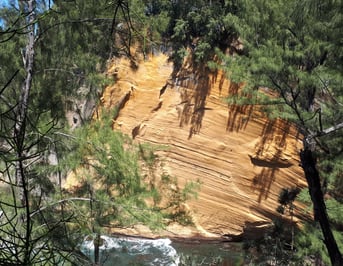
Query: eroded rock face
(241,158)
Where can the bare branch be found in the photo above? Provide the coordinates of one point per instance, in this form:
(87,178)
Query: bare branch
(57,203)
(9,81)
(329,130)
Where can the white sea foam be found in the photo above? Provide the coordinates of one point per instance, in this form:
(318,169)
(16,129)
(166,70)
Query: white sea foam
(126,249)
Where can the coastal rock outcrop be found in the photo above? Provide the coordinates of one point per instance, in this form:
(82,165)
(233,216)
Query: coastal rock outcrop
(241,158)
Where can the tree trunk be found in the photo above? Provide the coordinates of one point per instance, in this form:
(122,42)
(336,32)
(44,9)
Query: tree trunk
(21,114)
(308,164)
(97,249)
(19,134)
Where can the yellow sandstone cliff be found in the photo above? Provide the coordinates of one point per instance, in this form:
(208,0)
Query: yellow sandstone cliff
(241,158)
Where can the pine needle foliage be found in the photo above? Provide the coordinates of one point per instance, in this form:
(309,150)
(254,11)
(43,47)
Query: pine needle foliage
(292,49)
(107,166)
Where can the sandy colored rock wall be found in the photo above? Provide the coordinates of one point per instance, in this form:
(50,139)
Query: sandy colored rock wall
(242,159)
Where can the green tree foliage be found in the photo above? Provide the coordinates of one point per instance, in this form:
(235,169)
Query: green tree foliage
(72,43)
(28,231)
(293,49)
(107,169)
(202,26)
(273,248)
(150,20)
(111,175)
(309,240)
(47,53)
(73,46)
(277,246)
(290,48)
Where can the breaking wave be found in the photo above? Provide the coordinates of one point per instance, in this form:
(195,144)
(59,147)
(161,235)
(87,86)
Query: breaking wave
(133,251)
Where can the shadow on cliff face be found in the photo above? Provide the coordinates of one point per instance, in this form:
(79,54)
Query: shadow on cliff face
(238,115)
(268,156)
(254,230)
(195,87)
(195,83)
(274,133)
(263,181)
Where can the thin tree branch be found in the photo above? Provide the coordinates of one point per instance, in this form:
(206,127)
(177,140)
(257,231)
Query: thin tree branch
(328,130)
(57,203)
(70,22)
(9,81)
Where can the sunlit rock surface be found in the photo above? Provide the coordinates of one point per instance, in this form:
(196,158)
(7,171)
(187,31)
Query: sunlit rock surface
(241,159)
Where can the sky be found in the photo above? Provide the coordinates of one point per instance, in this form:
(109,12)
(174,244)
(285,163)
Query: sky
(5,3)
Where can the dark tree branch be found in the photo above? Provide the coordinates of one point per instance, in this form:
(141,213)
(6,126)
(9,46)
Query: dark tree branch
(9,81)
(79,21)
(308,163)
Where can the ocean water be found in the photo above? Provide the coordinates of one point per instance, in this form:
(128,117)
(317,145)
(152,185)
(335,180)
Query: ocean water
(124,251)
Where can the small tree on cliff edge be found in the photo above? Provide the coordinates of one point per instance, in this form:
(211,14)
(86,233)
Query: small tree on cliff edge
(295,49)
(33,219)
(27,226)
